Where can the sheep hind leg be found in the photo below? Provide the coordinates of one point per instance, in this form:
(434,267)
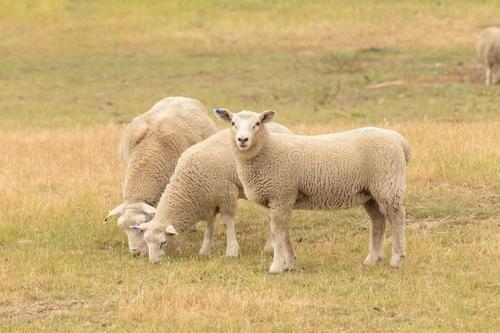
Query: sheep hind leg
(283,259)
(232,246)
(396,216)
(377,233)
(208,239)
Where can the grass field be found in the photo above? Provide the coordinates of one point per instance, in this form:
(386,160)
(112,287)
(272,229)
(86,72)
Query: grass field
(73,72)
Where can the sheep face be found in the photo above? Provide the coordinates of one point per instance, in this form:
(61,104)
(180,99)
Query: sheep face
(136,243)
(245,125)
(159,240)
(130,215)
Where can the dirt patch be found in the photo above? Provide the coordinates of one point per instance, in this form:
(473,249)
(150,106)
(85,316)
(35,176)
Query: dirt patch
(493,221)
(36,309)
(458,72)
(424,225)
(436,223)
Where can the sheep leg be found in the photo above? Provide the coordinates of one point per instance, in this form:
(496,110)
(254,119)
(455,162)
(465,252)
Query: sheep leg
(208,238)
(269,247)
(232,246)
(377,233)
(397,219)
(488,76)
(283,258)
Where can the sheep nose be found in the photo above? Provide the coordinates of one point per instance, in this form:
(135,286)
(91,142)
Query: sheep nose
(242,140)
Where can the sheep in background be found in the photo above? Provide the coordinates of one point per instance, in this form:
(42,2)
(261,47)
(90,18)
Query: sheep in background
(149,149)
(286,171)
(204,183)
(488,52)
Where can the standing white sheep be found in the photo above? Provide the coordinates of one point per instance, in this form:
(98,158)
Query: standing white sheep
(285,171)
(488,52)
(204,183)
(149,149)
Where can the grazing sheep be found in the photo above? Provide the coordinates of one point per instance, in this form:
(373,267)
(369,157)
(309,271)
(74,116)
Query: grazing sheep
(149,149)
(204,183)
(284,171)
(488,52)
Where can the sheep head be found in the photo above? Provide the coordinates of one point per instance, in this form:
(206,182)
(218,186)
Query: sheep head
(245,125)
(133,214)
(159,239)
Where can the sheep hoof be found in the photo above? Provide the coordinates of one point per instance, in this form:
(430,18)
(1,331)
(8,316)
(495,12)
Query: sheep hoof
(289,263)
(396,260)
(205,251)
(234,252)
(275,269)
(371,260)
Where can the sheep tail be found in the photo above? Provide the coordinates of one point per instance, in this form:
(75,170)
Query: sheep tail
(406,149)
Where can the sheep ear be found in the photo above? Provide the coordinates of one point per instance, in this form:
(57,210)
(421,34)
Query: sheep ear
(115,212)
(223,114)
(170,230)
(267,116)
(148,209)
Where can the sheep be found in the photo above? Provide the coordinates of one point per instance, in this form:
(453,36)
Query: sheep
(204,183)
(149,149)
(285,171)
(488,52)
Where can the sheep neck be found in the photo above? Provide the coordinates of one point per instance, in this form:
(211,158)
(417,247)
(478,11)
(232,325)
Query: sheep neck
(178,209)
(147,175)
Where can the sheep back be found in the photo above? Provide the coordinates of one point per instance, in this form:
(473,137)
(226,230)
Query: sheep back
(153,142)
(325,171)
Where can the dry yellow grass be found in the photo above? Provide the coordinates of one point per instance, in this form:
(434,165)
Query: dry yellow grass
(48,169)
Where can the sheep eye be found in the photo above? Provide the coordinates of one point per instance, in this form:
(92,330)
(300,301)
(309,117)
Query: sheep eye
(162,244)
(232,123)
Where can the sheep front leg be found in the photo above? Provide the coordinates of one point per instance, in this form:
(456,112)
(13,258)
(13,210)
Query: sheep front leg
(232,246)
(208,238)
(269,247)
(488,76)
(283,258)
(377,233)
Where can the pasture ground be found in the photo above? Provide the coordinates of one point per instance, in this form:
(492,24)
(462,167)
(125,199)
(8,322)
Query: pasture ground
(72,72)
